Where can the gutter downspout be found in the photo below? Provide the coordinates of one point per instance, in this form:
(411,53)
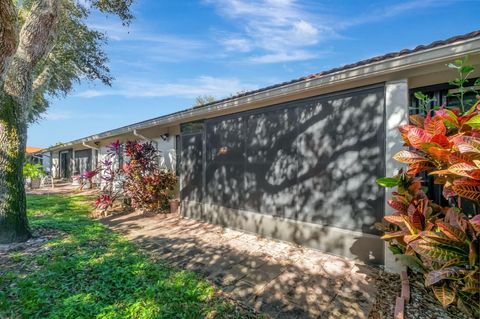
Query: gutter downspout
(91,147)
(135,132)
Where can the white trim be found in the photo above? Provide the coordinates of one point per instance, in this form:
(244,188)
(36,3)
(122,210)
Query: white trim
(396,114)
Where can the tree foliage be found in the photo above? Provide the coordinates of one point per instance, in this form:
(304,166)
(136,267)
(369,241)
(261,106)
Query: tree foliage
(77,53)
(46,46)
(203,99)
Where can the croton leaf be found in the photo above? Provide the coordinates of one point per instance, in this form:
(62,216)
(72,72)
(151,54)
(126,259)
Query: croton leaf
(398,206)
(441,140)
(417,120)
(438,252)
(471,285)
(474,121)
(435,276)
(470,191)
(431,236)
(467,144)
(466,170)
(456,218)
(394,219)
(444,294)
(395,234)
(436,150)
(418,220)
(455,158)
(475,222)
(451,232)
(417,136)
(434,126)
(409,157)
(415,168)
(409,238)
(449,118)
(410,226)
(472,253)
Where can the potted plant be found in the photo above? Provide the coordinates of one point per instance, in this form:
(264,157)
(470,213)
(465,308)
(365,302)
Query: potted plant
(33,173)
(174,204)
(174,198)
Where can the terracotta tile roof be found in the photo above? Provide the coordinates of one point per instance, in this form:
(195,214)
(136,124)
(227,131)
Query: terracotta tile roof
(384,57)
(31,150)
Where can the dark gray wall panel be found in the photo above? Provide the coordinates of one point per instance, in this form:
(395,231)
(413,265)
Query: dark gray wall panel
(314,160)
(271,165)
(340,155)
(225,169)
(191,167)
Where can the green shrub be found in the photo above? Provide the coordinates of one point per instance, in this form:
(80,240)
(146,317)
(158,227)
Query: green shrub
(441,242)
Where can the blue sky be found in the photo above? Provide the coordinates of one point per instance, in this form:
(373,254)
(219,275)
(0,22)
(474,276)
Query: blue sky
(176,50)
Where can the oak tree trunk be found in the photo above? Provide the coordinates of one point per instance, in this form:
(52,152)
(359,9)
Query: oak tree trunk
(13,136)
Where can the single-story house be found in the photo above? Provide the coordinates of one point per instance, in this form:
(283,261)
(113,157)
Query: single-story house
(296,161)
(40,156)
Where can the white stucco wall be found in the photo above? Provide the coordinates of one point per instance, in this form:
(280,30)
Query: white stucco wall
(396,114)
(55,167)
(46,162)
(167,159)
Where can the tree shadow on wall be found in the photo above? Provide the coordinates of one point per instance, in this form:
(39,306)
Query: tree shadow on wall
(313,161)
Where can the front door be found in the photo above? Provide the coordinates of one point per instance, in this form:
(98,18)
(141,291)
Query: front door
(65,165)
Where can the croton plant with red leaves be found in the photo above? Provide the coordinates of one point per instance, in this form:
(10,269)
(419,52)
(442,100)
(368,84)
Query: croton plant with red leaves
(440,241)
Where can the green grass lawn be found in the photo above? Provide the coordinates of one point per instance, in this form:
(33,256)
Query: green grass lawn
(88,271)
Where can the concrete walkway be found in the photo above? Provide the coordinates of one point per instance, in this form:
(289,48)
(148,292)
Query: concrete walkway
(276,278)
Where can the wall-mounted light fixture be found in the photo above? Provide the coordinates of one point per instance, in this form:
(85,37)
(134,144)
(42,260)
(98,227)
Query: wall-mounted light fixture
(165,136)
(223,150)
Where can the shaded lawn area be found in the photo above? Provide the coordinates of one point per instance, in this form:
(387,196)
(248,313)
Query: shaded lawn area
(88,271)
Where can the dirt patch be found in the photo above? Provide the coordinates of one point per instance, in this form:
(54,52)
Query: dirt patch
(12,255)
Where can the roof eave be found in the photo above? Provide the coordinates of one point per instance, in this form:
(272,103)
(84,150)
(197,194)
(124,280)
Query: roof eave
(395,64)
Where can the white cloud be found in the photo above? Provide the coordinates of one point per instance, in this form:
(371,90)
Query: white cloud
(386,12)
(58,116)
(155,46)
(237,45)
(284,30)
(189,88)
(77,114)
(283,57)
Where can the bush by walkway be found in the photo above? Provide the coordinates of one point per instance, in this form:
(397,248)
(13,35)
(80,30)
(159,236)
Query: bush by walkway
(78,268)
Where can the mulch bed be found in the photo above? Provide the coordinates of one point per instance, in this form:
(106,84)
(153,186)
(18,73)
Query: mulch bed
(422,305)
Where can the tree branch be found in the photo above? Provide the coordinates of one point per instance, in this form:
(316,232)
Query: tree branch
(36,39)
(8,35)
(42,80)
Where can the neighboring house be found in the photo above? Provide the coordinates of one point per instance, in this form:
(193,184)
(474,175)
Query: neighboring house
(34,154)
(39,155)
(295,161)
